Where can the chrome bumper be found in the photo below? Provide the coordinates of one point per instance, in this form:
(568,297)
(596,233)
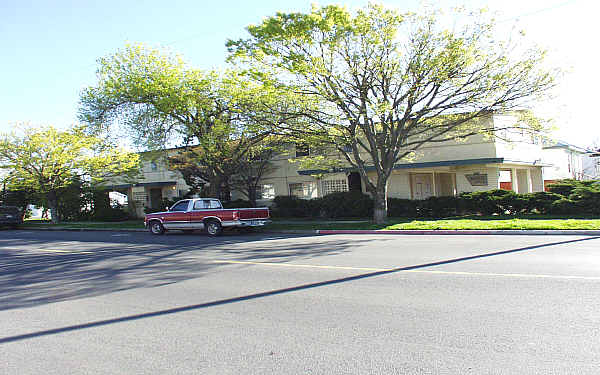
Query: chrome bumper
(246,223)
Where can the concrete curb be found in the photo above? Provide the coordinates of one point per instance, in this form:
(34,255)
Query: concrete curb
(360,231)
(467,232)
(87,229)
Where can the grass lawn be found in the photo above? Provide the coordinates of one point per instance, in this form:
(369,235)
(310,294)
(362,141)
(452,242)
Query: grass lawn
(130,224)
(470,222)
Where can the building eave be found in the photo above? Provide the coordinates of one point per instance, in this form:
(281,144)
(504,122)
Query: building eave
(431,164)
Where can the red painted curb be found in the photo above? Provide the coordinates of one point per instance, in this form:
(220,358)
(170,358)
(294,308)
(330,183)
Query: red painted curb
(464,232)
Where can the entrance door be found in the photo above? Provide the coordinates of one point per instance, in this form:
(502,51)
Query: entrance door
(422,186)
(156,198)
(354,183)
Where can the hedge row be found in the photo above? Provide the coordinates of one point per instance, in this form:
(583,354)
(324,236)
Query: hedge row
(564,197)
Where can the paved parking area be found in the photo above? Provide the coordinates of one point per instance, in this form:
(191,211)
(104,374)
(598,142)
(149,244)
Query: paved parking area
(131,303)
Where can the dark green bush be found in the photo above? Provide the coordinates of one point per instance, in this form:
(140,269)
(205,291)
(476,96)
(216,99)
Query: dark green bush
(437,207)
(497,201)
(345,204)
(541,202)
(291,206)
(587,199)
(564,206)
(109,214)
(402,207)
(238,203)
(335,205)
(583,198)
(567,187)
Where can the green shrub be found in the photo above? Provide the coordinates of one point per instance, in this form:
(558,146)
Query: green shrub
(238,203)
(344,204)
(541,202)
(109,214)
(567,187)
(587,199)
(564,206)
(291,206)
(497,201)
(437,207)
(402,207)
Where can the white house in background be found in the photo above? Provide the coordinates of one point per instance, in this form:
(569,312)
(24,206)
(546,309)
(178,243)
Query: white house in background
(591,165)
(565,161)
(444,169)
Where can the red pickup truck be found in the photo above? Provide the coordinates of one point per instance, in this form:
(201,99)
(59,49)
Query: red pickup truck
(207,214)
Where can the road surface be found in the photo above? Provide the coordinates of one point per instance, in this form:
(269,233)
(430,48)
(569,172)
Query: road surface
(132,303)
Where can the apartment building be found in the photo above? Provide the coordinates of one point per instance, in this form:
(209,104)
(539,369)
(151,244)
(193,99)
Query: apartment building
(478,163)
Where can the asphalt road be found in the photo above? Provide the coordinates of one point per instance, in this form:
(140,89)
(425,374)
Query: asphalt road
(132,303)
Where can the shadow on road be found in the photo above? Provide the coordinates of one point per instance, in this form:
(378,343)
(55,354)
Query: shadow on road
(49,268)
(278,291)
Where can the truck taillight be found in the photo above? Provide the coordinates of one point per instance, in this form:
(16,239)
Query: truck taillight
(236,215)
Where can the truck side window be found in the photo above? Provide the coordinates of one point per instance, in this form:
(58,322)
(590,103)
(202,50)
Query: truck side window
(201,205)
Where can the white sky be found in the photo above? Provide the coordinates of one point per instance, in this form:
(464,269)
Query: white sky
(50,48)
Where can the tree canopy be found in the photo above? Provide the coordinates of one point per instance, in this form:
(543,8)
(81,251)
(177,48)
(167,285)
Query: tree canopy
(389,83)
(217,116)
(46,160)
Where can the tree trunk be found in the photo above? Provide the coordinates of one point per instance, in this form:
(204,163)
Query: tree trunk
(214,187)
(380,203)
(252,194)
(53,205)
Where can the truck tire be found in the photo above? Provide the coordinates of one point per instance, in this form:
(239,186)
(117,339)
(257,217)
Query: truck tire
(156,227)
(213,228)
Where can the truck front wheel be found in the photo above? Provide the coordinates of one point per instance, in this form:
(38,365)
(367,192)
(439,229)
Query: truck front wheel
(213,228)
(156,227)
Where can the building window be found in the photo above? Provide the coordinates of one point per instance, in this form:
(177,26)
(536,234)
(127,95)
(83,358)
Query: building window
(153,166)
(302,190)
(140,197)
(266,191)
(333,186)
(302,150)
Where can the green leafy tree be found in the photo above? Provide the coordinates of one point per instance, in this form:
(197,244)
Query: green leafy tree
(390,83)
(217,116)
(46,161)
(254,166)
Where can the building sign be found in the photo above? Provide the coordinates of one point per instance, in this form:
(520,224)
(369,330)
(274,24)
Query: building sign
(477,179)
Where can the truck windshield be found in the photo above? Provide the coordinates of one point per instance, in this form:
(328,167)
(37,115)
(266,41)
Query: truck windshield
(180,206)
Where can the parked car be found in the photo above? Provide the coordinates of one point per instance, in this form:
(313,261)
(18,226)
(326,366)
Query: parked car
(205,214)
(10,216)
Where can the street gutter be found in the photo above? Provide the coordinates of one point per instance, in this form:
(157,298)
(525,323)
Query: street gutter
(533,232)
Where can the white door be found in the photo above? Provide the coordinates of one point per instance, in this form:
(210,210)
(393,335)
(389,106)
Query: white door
(422,186)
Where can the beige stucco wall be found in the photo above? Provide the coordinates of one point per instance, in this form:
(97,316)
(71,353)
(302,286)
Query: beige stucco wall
(463,185)
(399,185)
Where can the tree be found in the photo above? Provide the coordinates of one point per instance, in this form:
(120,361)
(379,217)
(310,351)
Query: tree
(390,83)
(255,164)
(217,116)
(46,160)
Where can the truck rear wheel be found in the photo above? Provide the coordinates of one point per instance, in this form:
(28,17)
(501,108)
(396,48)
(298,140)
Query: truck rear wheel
(213,228)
